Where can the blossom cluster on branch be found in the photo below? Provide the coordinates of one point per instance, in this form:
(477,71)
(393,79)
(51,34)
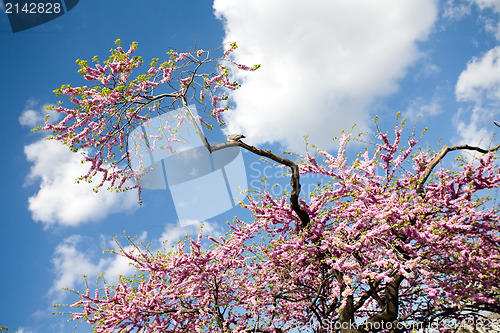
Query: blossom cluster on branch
(103,113)
(386,240)
(376,250)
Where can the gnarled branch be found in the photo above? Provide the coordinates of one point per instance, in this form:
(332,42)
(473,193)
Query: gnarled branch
(295,178)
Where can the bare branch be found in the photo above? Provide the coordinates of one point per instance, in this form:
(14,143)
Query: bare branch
(295,178)
(294,182)
(372,292)
(390,310)
(195,124)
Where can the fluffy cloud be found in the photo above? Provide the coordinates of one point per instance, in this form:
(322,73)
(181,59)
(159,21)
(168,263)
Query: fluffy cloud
(24,330)
(479,86)
(481,79)
(472,130)
(421,107)
(59,200)
(33,114)
(172,233)
(491,25)
(457,9)
(72,261)
(493,4)
(323,63)
(29,118)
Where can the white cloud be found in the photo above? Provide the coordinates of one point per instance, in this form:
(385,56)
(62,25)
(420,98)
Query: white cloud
(70,265)
(455,11)
(33,114)
(423,108)
(472,126)
(29,118)
(493,27)
(492,24)
(172,233)
(323,63)
(493,4)
(479,84)
(59,200)
(24,330)
(428,70)
(74,258)
(481,79)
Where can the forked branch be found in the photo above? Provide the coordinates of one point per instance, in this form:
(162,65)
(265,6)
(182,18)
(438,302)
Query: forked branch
(295,177)
(442,153)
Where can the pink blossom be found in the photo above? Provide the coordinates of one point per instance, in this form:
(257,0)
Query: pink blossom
(182,56)
(369,233)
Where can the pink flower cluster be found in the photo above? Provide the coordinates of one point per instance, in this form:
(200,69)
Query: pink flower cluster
(104,113)
(371,232)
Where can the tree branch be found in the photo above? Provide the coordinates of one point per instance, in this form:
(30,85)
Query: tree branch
(390,311)
(195,124)
(441,155)
(372,292)
(294,182)
(295,178)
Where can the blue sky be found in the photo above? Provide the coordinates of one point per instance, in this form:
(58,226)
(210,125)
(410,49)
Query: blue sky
(325,66)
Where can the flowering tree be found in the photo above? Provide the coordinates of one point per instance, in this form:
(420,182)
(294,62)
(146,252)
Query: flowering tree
(389,242)
(104,113)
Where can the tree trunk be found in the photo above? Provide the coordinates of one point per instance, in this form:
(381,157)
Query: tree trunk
(346,318)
